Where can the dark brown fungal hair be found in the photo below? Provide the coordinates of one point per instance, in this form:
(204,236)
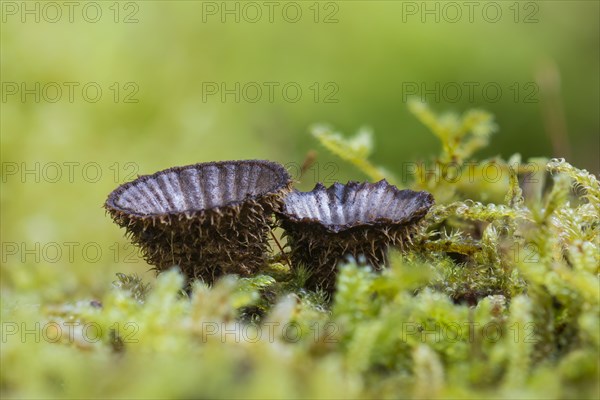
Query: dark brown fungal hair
(209,219)
(326,225)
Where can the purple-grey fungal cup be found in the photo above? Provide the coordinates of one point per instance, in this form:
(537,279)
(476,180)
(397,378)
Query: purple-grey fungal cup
(209,219)
(326,225)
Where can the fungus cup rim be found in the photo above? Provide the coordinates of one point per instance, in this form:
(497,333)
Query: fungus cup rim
(287,216)
(281,186)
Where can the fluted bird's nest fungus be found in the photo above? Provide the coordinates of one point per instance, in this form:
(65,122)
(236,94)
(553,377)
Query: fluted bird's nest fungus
(215,218)
(209,219)
(325,225)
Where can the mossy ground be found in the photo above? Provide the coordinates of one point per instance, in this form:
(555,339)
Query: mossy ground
(498,298)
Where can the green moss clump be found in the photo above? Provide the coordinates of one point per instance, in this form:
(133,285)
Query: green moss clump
(498,297)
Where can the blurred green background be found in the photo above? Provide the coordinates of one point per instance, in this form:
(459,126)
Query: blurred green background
(158,65)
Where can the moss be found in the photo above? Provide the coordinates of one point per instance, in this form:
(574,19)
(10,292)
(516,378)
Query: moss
(498,297)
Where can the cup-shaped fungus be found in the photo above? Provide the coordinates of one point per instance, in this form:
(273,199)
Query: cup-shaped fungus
(209,219)
(362,220)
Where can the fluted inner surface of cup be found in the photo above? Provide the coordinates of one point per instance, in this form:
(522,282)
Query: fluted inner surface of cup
(344,206)
(199,187)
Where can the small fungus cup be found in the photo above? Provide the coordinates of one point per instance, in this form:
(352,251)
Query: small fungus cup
(361,220)
(209,219)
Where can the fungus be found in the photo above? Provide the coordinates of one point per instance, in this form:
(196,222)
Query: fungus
(209,219)
(325,225)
